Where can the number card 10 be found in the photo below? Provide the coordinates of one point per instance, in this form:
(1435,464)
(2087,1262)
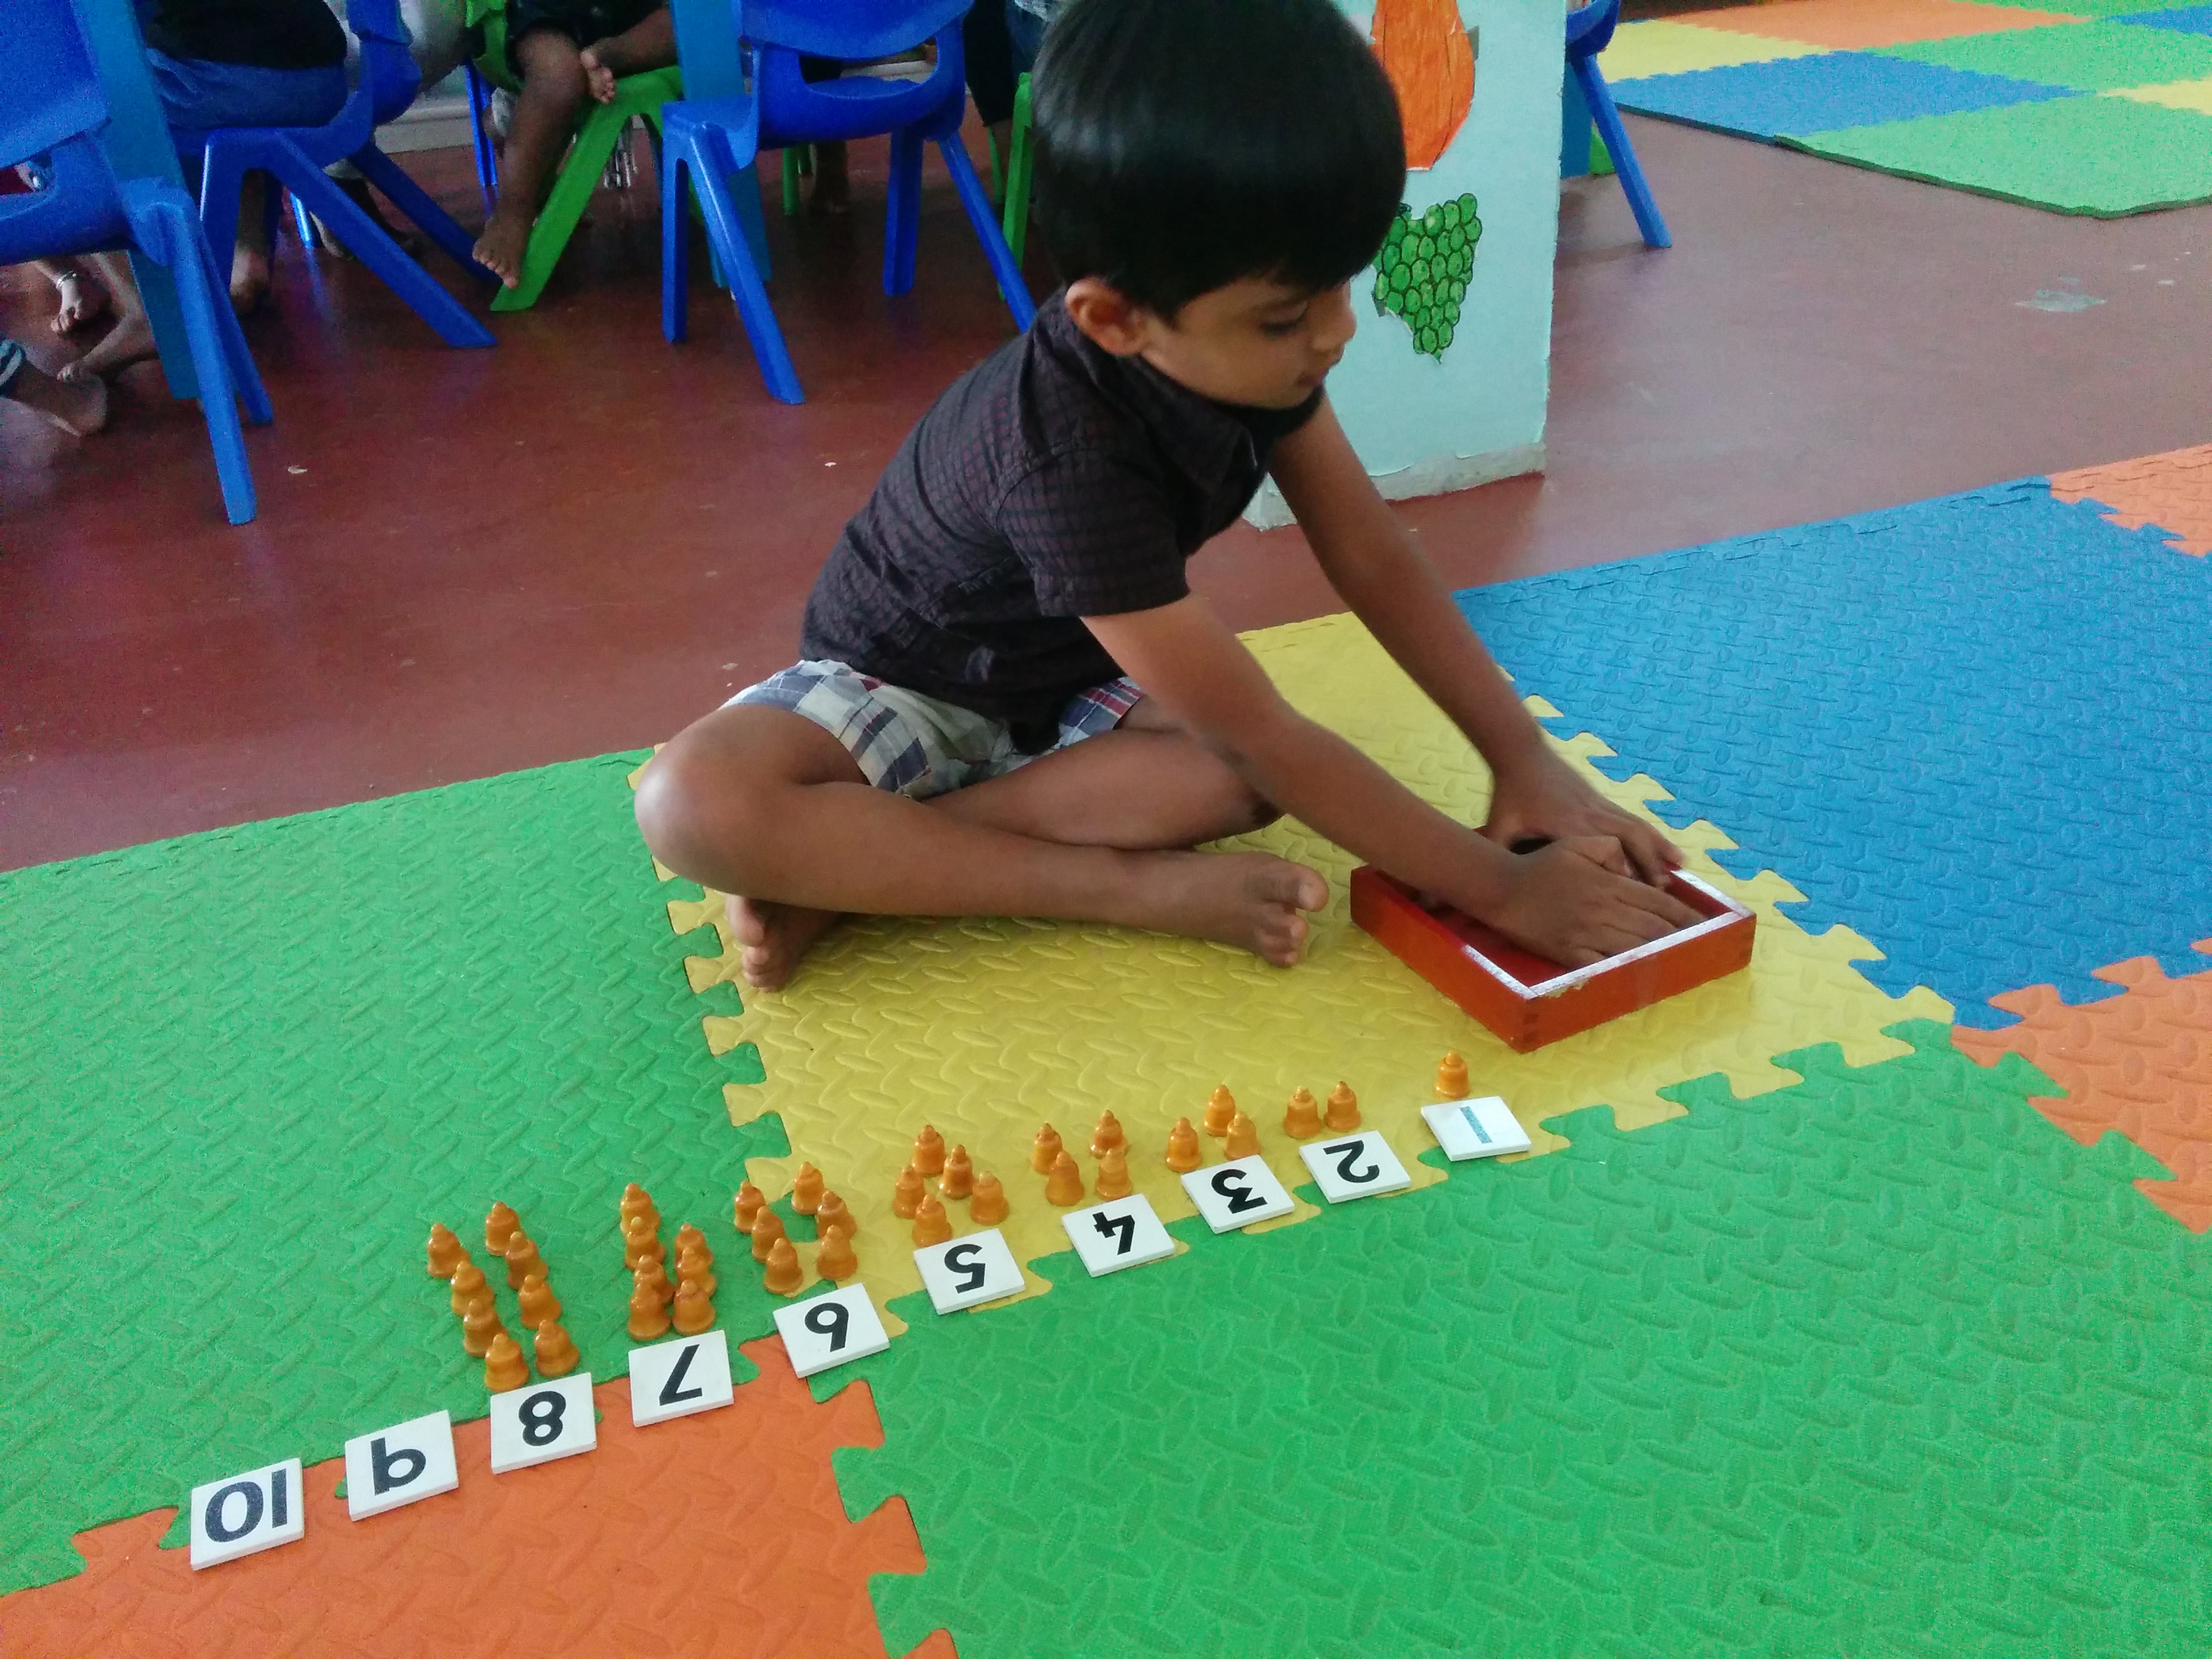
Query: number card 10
(830,1330)
(541,1422)
(247,1513)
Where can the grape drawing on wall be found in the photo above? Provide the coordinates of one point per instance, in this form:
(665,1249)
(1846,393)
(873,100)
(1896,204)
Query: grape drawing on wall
(1422,272)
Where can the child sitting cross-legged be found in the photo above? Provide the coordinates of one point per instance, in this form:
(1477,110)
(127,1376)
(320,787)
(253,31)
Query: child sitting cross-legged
(1009,702)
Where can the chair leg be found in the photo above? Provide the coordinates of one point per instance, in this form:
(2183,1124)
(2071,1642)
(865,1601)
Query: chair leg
(245,376)
(564,206)
(1606,115)
(1016,222)
(902,219)
(300,222)
(411,199)
(480,133)
(367,241)
(1012,288)
(790,181)
(675,277)
(183,251)
(711,167)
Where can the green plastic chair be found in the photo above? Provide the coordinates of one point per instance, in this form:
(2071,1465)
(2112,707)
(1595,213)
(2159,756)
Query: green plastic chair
(1014,186)
(597,135)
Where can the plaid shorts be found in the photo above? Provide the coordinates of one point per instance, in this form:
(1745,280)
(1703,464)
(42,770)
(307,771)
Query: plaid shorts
(918,746)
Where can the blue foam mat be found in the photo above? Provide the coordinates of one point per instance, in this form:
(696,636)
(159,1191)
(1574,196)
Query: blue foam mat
(1976,729)
(1794,96)
(2190,19)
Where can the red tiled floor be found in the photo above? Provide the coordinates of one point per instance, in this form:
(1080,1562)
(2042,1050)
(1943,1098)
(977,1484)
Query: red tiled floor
(582,539)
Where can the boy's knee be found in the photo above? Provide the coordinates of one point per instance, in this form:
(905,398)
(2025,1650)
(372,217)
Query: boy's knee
(551,64)
(689,809)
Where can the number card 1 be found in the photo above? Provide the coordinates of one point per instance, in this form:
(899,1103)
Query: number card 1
(968,1271)
(398,1465)
(541,1422)
(1475,1128)
(1358,1166)
(246,1514)
(1237,1194)
(675,1379)
(830,1330)
(1124,1232)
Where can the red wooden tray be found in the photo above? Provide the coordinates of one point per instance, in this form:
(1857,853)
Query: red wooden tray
(1528,1002)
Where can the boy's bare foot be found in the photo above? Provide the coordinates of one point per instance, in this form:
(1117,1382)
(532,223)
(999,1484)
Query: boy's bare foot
(1253,901)
(597,78)
(130,341)
(499,249)
(776,938)
(77,403)
(82,301)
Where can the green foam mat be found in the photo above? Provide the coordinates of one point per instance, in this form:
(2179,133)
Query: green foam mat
(1880,1363)
(2101,156)
(2093,57)
(2094,8)
(241,1070)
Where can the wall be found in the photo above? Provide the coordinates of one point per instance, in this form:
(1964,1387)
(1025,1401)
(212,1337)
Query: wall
(1424,426)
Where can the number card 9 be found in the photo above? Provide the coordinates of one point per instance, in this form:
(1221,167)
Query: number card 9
(830,1330)
(541,1422)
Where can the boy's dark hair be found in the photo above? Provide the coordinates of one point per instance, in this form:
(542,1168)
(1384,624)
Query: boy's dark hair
(1182,144)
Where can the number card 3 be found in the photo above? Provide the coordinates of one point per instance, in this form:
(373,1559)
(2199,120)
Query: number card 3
(1475,1128)
(968,1271)
(246,1514)
(675,1379)
(1123,1233)
(1237,1194)
(830,1330)
(541,1422)
(398,1465)
(1358,1166)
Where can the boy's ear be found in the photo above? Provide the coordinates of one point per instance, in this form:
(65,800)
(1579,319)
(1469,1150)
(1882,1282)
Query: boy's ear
(1111,319)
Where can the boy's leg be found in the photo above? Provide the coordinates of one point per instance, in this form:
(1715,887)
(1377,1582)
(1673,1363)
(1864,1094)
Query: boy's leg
(763,802)
(132,339)
(78,407)
(553,90)
(249,257)
(649,43)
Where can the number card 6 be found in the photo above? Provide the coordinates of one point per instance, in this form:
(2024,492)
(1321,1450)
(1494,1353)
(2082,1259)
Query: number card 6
(830,1330)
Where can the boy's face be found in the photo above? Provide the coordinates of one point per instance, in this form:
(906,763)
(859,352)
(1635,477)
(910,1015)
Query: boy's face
(1254,341)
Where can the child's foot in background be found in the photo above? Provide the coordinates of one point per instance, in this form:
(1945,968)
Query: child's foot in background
(74,401)
(130,341)
(82,301)
(775,938)
(833,189)
(249,278)
(597,75)
(499,249)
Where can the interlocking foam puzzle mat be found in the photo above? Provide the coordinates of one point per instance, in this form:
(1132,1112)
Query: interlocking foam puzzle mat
(1815,1322)
(2090,106)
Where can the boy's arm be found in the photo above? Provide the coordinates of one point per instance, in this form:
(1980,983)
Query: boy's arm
(1383,575)
(1573,902)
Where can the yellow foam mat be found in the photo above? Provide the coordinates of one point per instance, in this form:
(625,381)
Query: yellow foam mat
(985,1029)
(1662,46)
(2175,95)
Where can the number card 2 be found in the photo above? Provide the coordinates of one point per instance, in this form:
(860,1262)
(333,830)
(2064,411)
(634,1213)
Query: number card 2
(541,1422)
(968,1271)
(246,1514)
(1475,1128)
(830,1330)
(1237,1194)
(1358,1166)
(1124,1232)
(398,1465)
(675,1379)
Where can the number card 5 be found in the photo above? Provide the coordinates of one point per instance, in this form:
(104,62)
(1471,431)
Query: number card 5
(1237,1194)
(247,1513)
(968,1271)
(541,1422)
(1123,1233)
(1358,1166)
(830,1330)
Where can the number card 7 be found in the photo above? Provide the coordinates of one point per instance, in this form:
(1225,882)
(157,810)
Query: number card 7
(1358,1166)
(1122,1233)
(830,1330)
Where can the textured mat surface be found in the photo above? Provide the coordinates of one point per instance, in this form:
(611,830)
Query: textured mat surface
(243,1072)
(2105,111)
(727,1526)
(2172,492)
(1879,1362)
(985,1029)
(1975,729)
(2139,1063)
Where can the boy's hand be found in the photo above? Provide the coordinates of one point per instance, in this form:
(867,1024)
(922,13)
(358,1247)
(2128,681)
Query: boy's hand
(1548,798)
(1575,902)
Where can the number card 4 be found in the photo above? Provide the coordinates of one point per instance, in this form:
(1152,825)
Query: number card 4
(1475,1128)
(968,1271)
(398,1465)
(541,1422)
(830,1330)
(675,1379)
(1358,1166)
(246,1514)
(1237,1194)
(1122,1233)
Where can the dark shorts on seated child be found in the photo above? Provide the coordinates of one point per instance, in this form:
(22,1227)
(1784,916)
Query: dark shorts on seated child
(919,745)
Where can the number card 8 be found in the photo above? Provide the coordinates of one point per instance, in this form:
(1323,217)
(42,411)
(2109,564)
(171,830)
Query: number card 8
(541,1422)
(830,1330)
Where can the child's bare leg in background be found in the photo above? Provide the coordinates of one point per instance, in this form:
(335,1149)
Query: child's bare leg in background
(132,339)
(554,88)
(649,43)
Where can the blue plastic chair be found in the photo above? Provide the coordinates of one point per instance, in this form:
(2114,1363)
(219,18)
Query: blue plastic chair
(297,155)
(711,138)
(55,104)
(1590,31)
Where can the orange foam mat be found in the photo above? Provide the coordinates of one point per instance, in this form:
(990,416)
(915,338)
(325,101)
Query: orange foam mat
(2171,492)
(1861,24)
(2140,1062)
(719,1534)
